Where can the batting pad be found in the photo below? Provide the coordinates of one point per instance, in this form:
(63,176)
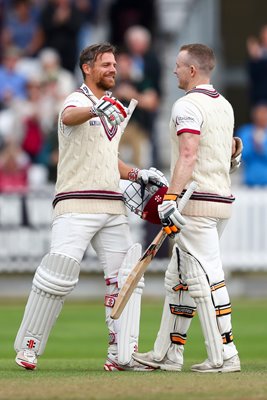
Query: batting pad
(54,279)
(175,320)
(200,291)
(129,322)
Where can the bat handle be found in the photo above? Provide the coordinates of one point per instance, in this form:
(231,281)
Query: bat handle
(190,190)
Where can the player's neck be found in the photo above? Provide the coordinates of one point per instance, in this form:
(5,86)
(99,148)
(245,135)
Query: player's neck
(98,92)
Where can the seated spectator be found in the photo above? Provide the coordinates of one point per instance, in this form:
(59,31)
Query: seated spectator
(52,71)
(22,29)
(12,83)
(254,155)
(14,164)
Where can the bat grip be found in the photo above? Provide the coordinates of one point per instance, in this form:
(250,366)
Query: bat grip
(190,190)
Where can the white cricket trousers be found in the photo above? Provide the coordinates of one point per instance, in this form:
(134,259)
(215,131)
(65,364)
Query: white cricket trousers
(108,234)
(200,237)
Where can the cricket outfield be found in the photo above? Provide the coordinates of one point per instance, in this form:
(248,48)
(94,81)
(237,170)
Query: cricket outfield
(72,366)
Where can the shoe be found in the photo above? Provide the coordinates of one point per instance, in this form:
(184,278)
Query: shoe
(112,365)
(230,365)
(164,365)
(27,359)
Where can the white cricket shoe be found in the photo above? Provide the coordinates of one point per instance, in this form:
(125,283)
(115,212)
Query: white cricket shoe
(230,365)
(112,365)
(165,365)
(26,359)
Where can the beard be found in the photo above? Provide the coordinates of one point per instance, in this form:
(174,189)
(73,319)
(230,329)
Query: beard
(105,84)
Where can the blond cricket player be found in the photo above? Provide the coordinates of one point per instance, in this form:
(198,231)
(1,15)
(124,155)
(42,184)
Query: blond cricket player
(202,150)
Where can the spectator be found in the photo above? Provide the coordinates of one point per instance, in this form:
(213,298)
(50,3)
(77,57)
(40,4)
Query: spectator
(22,28)
(14,164)
(136,135)
(60,21)
(52,72)
(12,83)
(126,13)
(254,155)
(35,115)
(146,75)
(89,11)
(257,66)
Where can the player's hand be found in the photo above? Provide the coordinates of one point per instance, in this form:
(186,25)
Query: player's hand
(151,176)
(237,154)
(112,109)
(171,219)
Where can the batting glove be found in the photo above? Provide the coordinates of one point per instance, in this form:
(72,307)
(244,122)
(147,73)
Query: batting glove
(171,219)
(112,109)
(236,157)
(148,176)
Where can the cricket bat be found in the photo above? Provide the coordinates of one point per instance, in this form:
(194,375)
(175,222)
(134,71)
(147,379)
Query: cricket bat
(138,271)
(131,107)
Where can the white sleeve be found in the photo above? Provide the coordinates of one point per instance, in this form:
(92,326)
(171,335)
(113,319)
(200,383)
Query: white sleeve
(186,117)
(76,100)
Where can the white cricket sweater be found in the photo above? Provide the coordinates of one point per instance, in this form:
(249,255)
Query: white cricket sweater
(213,196)
(88,174)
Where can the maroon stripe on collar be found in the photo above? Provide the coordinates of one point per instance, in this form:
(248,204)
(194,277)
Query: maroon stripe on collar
(210,93)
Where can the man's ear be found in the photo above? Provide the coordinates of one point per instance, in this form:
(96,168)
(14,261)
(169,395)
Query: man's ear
(193,70)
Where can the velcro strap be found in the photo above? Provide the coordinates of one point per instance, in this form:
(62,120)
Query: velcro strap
(217,286)
(111,281)
(110,300)
(222,310)
(183,311)
(169,196)
(227,337)
(178,338)
(180,286)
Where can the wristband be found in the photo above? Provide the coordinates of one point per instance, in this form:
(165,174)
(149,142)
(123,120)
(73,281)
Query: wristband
(133,174)
(92,112)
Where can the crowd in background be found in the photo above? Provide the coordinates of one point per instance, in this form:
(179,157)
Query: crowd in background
(40,46)
(39,49)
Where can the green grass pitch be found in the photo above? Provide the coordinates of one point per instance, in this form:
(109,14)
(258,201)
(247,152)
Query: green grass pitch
(72,366)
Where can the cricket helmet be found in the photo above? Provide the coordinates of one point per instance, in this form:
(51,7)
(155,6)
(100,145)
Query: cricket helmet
(144,200)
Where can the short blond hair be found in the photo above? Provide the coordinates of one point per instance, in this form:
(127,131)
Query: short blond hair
(201,55)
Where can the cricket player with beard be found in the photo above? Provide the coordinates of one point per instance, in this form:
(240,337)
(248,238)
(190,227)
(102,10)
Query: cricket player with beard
(202,150)
(88,208)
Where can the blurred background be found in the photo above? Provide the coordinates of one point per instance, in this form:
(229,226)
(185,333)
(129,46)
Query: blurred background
(39,49)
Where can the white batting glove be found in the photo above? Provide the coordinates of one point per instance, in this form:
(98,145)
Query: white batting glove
(112,109)
(148,176)
(171,219)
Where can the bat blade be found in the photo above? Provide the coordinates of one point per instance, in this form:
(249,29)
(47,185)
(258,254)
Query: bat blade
(138,271)
(136,274)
